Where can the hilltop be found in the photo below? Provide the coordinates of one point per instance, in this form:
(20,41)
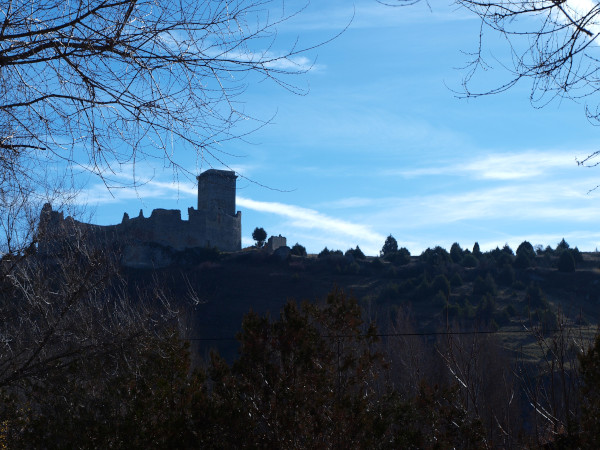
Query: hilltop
(437,290)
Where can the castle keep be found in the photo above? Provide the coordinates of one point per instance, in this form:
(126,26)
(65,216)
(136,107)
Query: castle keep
(214,224)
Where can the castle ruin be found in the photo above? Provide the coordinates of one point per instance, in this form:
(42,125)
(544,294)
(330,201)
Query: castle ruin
(214,224)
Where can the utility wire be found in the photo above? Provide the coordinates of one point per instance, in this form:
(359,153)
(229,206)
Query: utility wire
(415,334)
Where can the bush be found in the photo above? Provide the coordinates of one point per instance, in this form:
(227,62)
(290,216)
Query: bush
(437,256)
(506,275)
(376,263)
(260,236)
(390,246)
(298,250)
(522,261)
(441,284)
(510,310)
(324,253)
(526,249)
(456,253)
(356,253)
(484,286)
(566,262)
(470,261)
(401,257)
(486,308)
(535,297)
(577,256)
(562,245)
(525,255)
(456,280)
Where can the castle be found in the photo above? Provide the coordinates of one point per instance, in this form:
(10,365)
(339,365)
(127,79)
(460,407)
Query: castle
(214,224)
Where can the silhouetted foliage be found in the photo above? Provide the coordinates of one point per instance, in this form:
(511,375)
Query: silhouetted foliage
(508,250)
(470,261)
(525,256)
(456,253)
(562,245)
(506,275)
(535,298)
(590,395)
(401,257)
(577,256)
(324,253)
(298,250)
(502,256)
(437,256)
(456,280)
(522,261)
(356,253)
(566,262)
(260,236)
(525,248)
(484,286)
(441,284)
(390,246)
(476,250)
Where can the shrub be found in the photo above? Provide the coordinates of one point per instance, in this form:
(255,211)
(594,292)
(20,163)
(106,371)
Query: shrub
(401,257)
(376,263)
(456,280)
(522,261)
(470,261)
(437,256)
(525,255)
(535,297)
(298,250)
(441,284)
(356,253)
(562,245)
(390,246)
(324,253)
(456,253)
(484,286)
(526,249)
(566,262)
(510,310)
(506,275)
(260,236)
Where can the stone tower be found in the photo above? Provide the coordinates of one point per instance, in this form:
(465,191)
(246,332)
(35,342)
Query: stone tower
(216,191)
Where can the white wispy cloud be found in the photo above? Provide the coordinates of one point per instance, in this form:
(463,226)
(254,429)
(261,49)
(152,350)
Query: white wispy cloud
(496,166)
(311,219)
(579,9)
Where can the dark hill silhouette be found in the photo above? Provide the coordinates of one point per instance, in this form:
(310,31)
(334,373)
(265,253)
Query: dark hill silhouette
(499,293)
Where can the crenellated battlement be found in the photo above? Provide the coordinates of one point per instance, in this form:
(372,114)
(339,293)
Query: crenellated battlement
(214,224)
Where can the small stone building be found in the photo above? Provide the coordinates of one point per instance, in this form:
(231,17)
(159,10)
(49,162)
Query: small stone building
(275,242)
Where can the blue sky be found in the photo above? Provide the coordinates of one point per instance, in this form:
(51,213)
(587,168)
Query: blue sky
(381,144)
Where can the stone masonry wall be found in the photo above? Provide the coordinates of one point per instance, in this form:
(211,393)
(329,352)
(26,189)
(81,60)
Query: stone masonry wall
(215,225)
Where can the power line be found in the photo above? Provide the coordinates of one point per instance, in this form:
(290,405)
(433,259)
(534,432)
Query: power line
(414,334)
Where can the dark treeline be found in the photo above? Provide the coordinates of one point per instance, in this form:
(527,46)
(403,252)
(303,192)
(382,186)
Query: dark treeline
(459,349)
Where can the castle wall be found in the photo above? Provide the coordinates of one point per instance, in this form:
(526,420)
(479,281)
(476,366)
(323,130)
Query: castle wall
(214,224)
(216,191)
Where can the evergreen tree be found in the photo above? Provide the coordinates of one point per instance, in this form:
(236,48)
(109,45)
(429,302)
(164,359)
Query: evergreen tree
(260,236)
(390,246)
(298,250)
(566,262)
(456,253)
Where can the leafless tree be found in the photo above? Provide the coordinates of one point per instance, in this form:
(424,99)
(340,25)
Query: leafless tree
(553,44)
(98,84)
